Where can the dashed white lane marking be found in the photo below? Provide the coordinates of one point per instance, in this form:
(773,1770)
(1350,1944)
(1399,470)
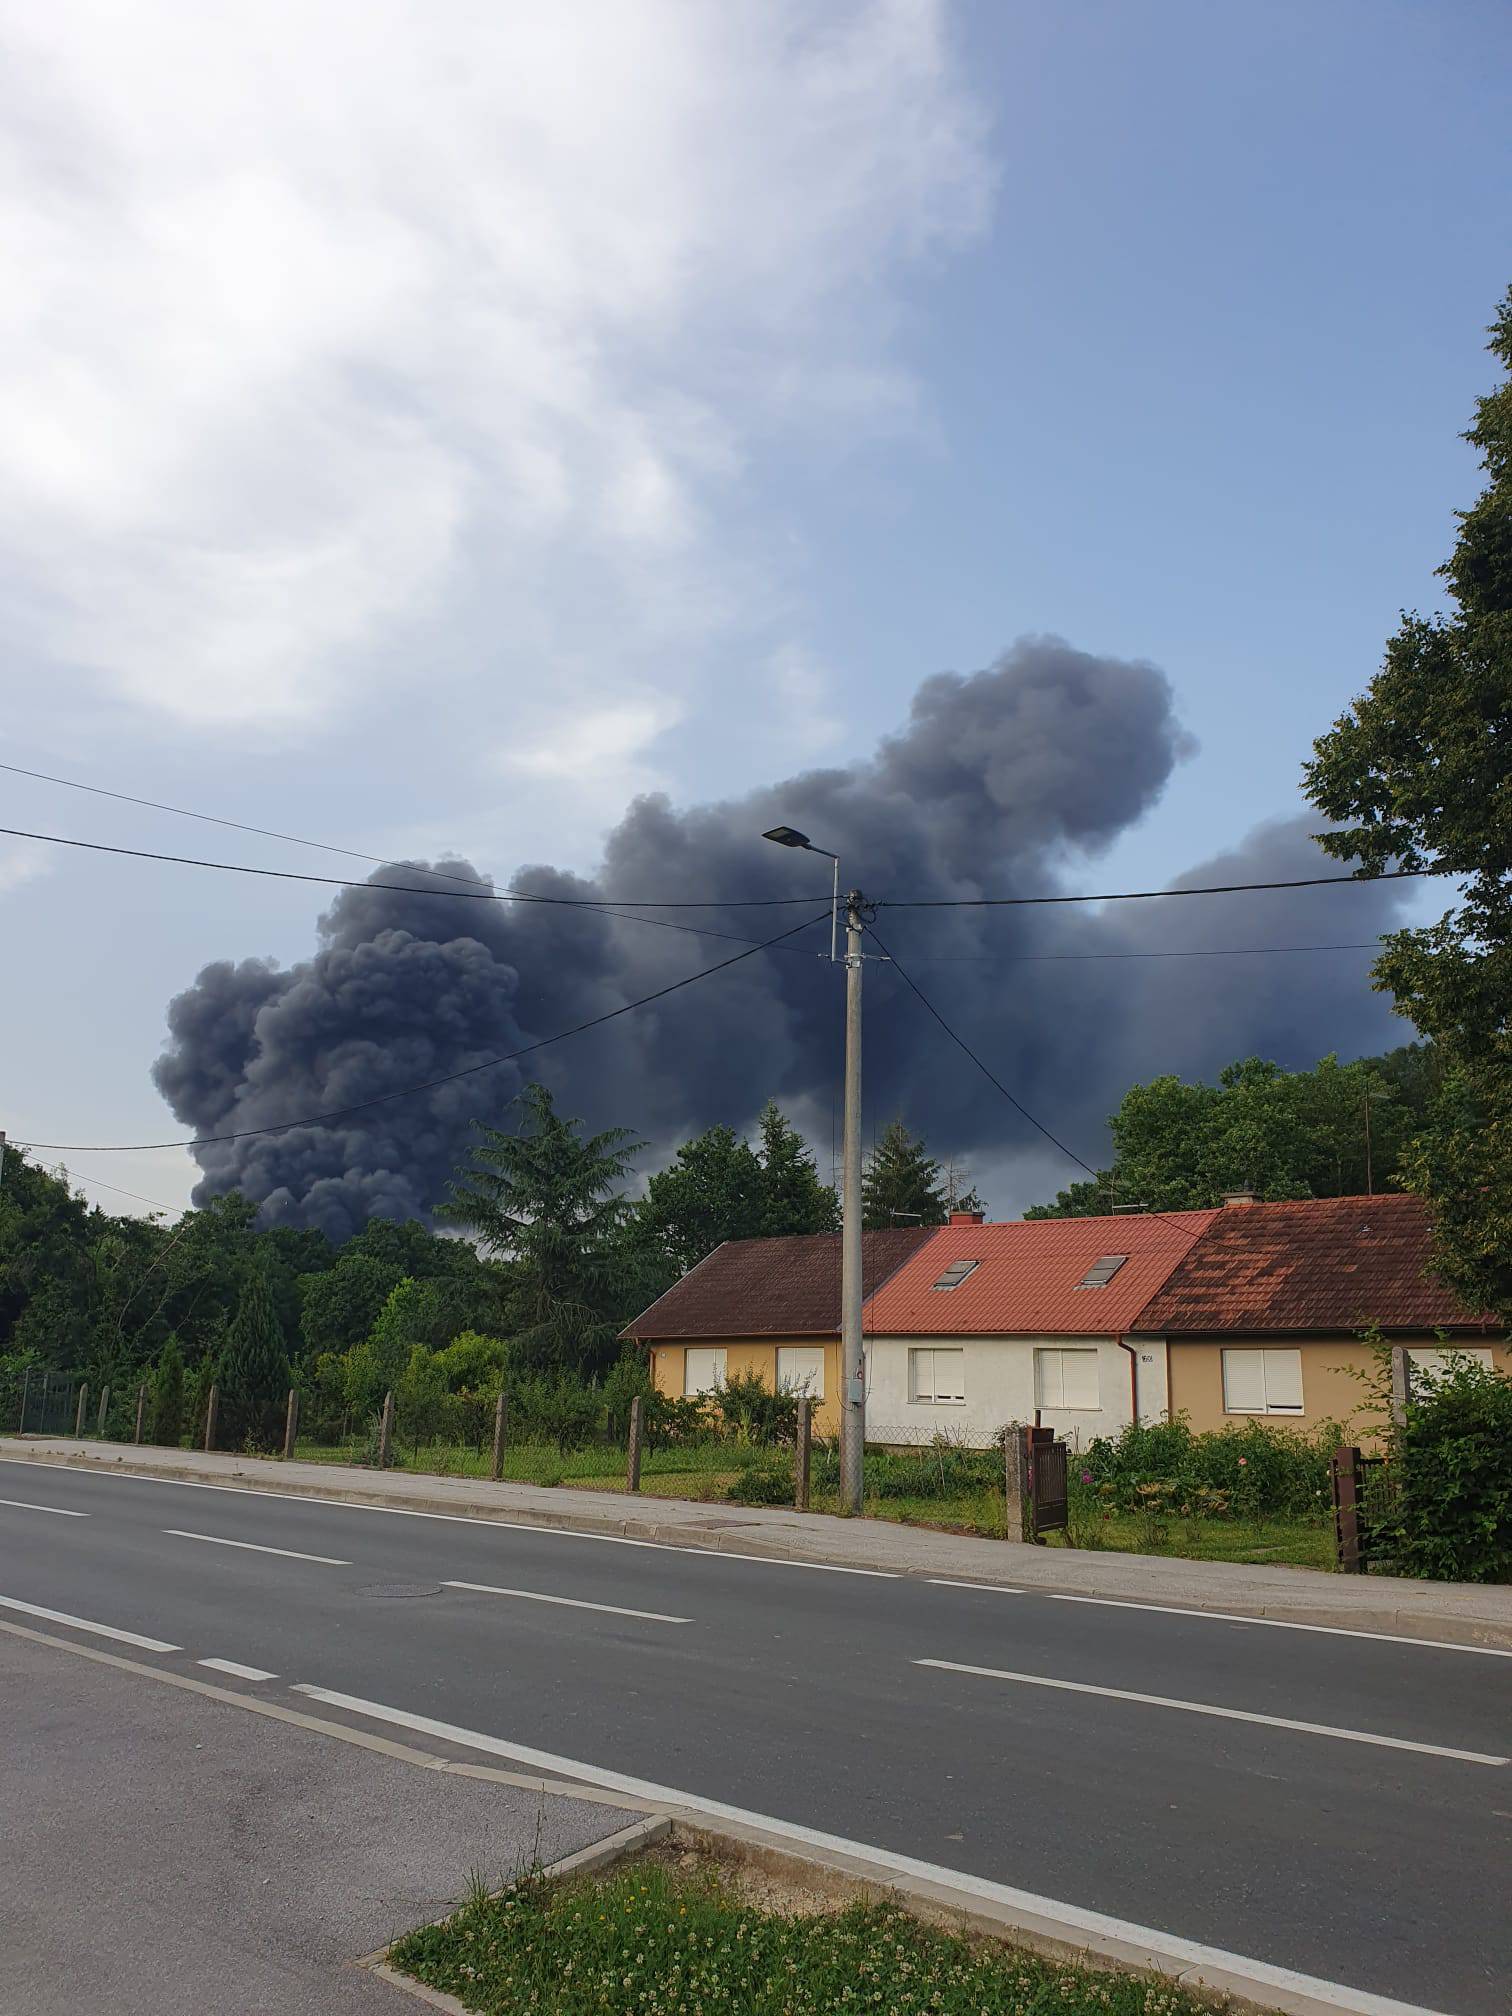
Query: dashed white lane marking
(252,1547)
(1163,1950)
(85,1624)
(25,1505)
(1280,1624)
(1211,1708)
(469,1519)
(567,1602)
(236,1669)
(983,1588)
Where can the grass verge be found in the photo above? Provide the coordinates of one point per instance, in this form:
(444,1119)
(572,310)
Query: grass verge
(656,1938)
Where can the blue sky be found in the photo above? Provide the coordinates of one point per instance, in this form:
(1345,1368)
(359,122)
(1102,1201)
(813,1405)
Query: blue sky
(650,397)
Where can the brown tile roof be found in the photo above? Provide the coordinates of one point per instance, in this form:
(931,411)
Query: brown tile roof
(1025,1282)
(772,1287)
(1328,1264)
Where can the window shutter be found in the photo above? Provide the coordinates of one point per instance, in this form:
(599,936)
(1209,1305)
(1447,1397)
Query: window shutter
(800,1369)
(1049,1380)
(1283,1382)
(1079,1379)
(703,1369)
(1244,1382)
(950,1375)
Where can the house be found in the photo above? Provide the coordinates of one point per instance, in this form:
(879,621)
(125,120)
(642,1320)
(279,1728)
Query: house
(1026,1321)
(765,1305)
(1264,1315)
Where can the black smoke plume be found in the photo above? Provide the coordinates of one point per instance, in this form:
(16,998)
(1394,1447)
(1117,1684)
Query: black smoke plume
(1010,781)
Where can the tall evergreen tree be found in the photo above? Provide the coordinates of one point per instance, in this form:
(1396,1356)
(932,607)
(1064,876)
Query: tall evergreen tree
(548,1201)
(1418,773)
(253,1369)
(901,1183)
(792,1197)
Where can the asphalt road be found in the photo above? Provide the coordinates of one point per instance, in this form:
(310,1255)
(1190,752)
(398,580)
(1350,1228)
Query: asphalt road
(1347,1812)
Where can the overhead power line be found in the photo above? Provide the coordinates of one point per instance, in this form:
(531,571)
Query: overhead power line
(992,1078)
(475,893)
(472,882)
(1184,952)
(1149,895)
(429,1084)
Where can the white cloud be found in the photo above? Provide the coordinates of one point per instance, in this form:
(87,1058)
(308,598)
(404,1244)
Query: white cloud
(21,861)
(331,318)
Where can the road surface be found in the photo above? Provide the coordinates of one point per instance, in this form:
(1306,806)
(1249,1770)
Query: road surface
(1323,1801)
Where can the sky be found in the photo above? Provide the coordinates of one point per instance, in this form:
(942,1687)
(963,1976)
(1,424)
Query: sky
(427,430)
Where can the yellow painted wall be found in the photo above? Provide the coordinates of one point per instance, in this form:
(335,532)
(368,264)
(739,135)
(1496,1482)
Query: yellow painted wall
(744,1355)
(1330,1391)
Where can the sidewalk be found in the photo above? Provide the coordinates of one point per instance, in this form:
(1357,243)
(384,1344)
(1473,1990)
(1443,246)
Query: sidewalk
(1462,1613)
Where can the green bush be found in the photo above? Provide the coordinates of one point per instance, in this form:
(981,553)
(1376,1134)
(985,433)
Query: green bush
(1256,1471)
(1450,1516)
(749,1409)
(761,1484)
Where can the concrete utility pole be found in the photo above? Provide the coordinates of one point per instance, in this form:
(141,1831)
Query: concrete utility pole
(852,1343)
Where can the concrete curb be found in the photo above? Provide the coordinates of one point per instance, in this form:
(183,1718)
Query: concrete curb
(737,1535)
(1256,1993)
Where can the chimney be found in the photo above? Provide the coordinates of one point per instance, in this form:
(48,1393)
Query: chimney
(1246,1195)
(967,1217)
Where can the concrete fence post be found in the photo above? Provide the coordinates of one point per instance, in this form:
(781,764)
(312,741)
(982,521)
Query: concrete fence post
(1401,1384)
(386,1431)
(104,1407)
(1017,1484)
(46,1383)
(79,1416)
(25,1383)
(802,1452)
(140,1413)
(291,1424)
(212,1416)
(633,1453)
(501,1429)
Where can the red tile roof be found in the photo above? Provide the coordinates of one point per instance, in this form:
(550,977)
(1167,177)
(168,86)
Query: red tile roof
(1026,1284)
(772,1287)
(1330,1264)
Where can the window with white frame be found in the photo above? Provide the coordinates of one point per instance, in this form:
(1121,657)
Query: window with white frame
(1262,1382)
(1067,1379)
(938,1375)
(800,1369)
(1434,1361)
(703,1369)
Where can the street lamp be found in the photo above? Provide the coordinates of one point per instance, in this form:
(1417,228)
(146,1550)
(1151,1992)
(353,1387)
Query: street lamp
(852,1342)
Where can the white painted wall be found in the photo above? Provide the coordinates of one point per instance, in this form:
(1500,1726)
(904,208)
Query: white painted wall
(999,1385)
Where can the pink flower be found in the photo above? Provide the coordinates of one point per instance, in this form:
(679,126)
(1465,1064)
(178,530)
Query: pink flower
(1086,1476)
(1243,1460)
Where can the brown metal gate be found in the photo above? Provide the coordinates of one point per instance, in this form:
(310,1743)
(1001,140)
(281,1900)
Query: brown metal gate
(1047,1474)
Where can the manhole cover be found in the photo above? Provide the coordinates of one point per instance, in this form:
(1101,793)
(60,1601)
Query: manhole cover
(400,1589)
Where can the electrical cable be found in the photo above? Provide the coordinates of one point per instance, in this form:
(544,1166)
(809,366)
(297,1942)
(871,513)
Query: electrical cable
(473,894)
(1148,895)
(429,1084)
(1017,1104)
(1192,952)
(378,860)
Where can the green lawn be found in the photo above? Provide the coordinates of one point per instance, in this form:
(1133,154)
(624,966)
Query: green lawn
(650,1940)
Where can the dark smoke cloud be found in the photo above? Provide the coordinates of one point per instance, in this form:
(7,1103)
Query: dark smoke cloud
(1008,781)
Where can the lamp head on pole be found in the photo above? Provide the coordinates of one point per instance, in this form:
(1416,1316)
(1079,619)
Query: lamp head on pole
(788,836)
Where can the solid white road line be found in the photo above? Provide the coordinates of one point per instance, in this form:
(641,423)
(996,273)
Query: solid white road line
(84,1624)
(470,1519)
(251,1547)
(986,1588)
(1165,1950)
(237,1670)
(1209,1708)
(567,1602)
(25,1505)
(1279,1624)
